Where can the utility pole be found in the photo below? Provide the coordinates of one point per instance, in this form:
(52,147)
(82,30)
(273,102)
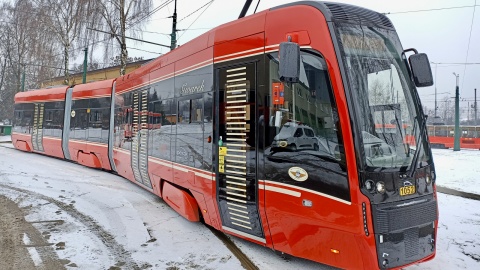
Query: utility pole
(84,79)
(436,67)
(468,112)
(174,29)
(456,142)
(475,106)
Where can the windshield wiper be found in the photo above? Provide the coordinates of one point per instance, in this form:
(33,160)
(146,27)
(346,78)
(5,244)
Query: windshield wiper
(419,147)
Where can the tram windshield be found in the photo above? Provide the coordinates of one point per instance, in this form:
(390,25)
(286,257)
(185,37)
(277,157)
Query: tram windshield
(384,106)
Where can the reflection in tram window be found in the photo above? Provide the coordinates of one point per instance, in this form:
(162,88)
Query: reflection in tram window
(303,129)
(190,128)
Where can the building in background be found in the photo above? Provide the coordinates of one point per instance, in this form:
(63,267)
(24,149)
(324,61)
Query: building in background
(93,75)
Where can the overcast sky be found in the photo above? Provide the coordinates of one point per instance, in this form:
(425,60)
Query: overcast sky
(443,34)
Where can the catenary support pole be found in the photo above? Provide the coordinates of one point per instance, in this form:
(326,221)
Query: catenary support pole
(84,79)
(456,142)
(174,29)
(475,106)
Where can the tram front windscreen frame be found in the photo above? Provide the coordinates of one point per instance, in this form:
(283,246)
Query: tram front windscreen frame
(378,77)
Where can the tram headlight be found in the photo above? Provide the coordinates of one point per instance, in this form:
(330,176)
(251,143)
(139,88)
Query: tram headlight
(380,187)
(370,185)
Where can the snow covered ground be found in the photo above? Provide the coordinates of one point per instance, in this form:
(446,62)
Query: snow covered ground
(96,220)
(458,170)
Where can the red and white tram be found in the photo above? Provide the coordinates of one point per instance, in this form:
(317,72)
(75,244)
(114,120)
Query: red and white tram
(266,128)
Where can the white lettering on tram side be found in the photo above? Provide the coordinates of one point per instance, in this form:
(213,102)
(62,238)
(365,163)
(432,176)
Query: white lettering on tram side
(192,89)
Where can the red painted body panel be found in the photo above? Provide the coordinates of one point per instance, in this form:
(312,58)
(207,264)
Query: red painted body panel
(310,232)
(181,201)
(89,154)
(244,27)
(94,89)
(22,141)
(42,95)
(52,146)
(122,160)
(310,22)
(88,159)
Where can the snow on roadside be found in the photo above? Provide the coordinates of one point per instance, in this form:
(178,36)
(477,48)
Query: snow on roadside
(5,138)
(153,234)
(459,170)
(458,239)
(105,220)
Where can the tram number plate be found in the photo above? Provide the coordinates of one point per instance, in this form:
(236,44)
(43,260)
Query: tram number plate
(407,190)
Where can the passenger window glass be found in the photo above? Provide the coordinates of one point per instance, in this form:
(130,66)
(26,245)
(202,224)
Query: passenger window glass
(304,130)
(184,111)
(196,111)
(190,128)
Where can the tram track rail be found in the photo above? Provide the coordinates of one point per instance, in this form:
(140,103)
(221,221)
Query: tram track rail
(244,259)
(458,193)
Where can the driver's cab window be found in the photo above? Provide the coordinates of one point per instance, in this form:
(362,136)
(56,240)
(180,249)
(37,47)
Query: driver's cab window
(304,128)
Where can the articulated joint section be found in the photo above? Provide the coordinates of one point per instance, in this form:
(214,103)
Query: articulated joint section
(405,230)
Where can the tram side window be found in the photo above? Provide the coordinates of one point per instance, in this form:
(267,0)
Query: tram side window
(207,130)
(27,121)
(94,125)
(48,123)
(190,127)
(17,120)
(98,119)
(53,118)
(23,118)
(122,132)
(303,128)
(79,119)
(160,125)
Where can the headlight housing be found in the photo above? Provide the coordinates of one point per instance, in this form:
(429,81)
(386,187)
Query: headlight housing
(380,187)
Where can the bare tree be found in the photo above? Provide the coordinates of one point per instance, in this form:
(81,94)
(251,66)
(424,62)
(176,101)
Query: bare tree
(447,110)
(120,16)
(67,20)
(378,93)
(27,51)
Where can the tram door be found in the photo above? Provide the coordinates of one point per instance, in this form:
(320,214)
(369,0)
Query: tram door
(236,151)
(139,150)
(37,132)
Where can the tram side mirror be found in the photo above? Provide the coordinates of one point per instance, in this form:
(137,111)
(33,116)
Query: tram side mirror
(421,70)
(289,66)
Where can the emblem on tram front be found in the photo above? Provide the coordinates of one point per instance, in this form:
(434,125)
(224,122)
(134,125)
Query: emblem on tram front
(298,174)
